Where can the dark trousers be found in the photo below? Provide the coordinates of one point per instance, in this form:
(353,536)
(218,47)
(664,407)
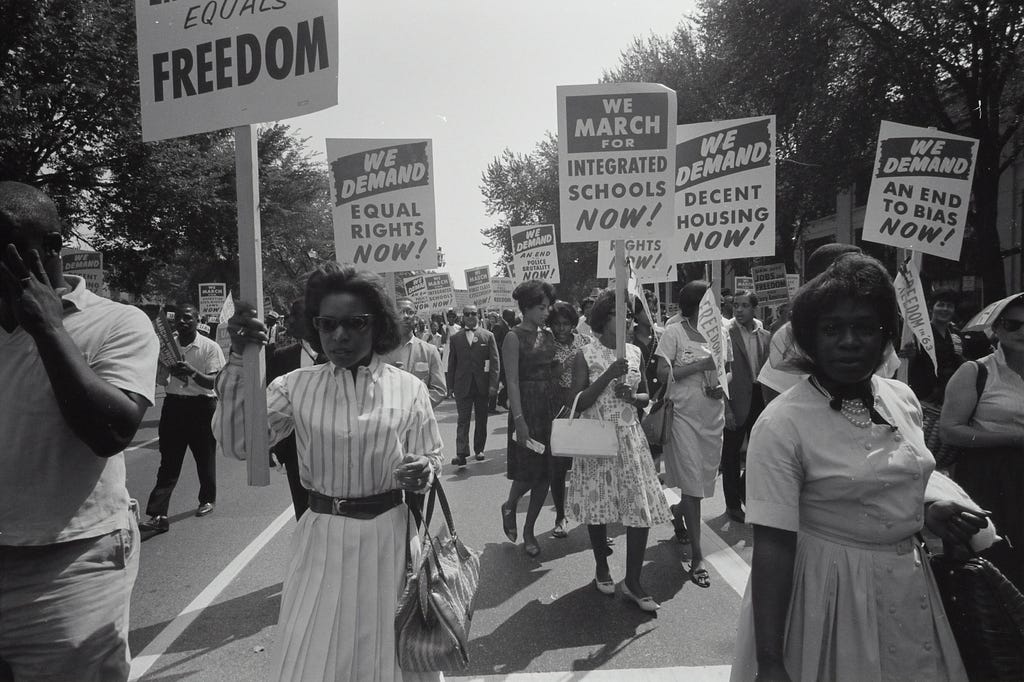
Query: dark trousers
(734,483)
(475,400)
(288,456)
(185,424)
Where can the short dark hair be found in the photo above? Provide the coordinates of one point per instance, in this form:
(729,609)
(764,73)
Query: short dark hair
(855,276)
(509,316)
(749,293)
(332,278)
(825,255)
(946,295)
(533,292)
(564,310)
(690,295)
(27,215)
(603,310)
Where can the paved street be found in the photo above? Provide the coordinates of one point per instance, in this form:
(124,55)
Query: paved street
(208,592)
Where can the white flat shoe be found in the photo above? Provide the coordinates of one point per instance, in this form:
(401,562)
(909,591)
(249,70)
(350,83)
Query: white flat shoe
(645,603)
(606,587)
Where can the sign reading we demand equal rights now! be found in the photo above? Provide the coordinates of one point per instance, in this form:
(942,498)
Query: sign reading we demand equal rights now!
(920,189)
(725,189)
(535,253)
(616,146)
(382,195)
(221,63)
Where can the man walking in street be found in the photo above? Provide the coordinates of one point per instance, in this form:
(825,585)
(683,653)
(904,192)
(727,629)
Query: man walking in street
(473,365)
(77,373)
(185,421)
(750,346)
(500,330)
(417,356)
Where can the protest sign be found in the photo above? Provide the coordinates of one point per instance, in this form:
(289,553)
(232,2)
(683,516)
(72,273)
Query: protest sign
(616,145)
(792,284)
(462,299)
(205,66)
(742,283)
(223,338)
(478,282)
(535,253)
(709,323)
(725,189)
(439,292)
(501,293)
(770,283)
(170,353)
(920,189)
(211,299)
(651,263)
(382,196)
(914,308)
(416,289)
(85,264)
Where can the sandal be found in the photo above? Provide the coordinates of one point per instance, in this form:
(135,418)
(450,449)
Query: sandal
(559,531)
(700,577)
(508,523)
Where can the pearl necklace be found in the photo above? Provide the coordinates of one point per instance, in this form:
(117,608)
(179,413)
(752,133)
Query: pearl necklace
(853,410)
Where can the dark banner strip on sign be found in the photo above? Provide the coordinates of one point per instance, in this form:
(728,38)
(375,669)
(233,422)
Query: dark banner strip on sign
(376,171)
(724,152)
(936,157)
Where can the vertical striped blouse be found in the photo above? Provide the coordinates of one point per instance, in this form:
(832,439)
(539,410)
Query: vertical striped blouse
(351,433)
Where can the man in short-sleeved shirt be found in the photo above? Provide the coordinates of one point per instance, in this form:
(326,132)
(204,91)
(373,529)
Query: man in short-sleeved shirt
(416,356)
(77,373)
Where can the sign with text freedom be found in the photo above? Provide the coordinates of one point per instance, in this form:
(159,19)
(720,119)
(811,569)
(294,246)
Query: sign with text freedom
(616,148)
(382,196)
(217,64)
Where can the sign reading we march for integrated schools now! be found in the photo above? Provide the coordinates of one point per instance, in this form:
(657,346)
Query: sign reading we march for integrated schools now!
(382,194)
(221,63)
(649,257)
(725,189)
(432,292)
(535,253)
(616,146)
(920,189)
(478,284)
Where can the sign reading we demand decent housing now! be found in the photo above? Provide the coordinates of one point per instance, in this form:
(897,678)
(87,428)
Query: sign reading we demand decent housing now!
(382,192)
(616,143)
(920,189)
(725,189)
(213,64)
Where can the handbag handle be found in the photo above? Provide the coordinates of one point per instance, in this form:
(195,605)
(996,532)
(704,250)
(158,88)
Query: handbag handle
(572,410)
(436,492)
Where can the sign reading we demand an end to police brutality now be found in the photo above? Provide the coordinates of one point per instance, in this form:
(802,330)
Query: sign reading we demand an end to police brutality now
(535,253)
(725,189)
(920,188)
(616,149)
(382,194)
(210,64)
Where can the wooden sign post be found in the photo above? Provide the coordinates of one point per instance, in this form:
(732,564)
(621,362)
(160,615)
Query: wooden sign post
(621,274)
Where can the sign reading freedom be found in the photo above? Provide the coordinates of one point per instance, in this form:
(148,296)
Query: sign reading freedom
(217,64)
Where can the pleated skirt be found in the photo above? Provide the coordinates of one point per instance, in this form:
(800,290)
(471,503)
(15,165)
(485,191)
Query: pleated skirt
(337,621)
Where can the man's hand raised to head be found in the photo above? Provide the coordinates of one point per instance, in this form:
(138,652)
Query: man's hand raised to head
(28,293)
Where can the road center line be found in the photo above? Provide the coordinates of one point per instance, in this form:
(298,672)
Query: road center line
(145,660)
(141,445)
(721,556)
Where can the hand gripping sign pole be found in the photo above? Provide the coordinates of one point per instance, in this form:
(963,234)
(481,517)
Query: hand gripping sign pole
(250,263)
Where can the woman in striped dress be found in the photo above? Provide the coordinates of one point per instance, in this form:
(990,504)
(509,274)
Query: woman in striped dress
(365,432)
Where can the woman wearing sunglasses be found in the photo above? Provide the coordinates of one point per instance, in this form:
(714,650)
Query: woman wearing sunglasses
(365,434)
(989,428)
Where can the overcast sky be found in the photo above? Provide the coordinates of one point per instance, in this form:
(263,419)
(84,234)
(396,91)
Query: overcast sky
(475,76)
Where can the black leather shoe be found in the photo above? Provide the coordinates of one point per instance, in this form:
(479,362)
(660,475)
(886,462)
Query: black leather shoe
(737,515)
(155,524)
(480,457)
(204,509)
(459,461)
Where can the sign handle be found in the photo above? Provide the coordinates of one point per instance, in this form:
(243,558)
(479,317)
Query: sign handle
(621,273)
(250,265)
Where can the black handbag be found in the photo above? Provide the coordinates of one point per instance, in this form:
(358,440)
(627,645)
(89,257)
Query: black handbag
(986,614)
(657,424)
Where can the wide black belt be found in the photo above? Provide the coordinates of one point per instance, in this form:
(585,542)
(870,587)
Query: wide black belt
(355,507)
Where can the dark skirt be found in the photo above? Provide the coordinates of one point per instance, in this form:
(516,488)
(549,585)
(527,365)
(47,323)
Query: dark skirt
(539,403)
(994,478)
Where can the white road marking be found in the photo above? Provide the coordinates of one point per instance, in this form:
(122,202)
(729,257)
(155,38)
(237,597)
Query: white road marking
(720,555)
(704,673)
(142,445)
(145,660)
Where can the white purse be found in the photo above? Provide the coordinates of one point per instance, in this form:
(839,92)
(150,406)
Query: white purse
(572,437)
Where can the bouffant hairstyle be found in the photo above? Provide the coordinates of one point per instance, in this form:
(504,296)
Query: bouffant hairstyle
(533,292)
(853,276)
(332,278)
(564,311)
(690,295)
(603,311)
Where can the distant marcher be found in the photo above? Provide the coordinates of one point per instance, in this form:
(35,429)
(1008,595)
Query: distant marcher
(416,356)
(562,319)
(532,374)
(929,386)
(189,404)
(726,304)
(77,373)
(500,330)
(473,365)
(583,326)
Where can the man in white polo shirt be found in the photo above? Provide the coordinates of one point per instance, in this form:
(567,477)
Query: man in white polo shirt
(77,373)
(185,421)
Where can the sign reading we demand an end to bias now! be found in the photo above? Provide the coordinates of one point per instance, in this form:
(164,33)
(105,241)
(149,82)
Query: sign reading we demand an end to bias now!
(535,253)
(616,145)
(382,194)
(210,64)
(920,189)
(725,189)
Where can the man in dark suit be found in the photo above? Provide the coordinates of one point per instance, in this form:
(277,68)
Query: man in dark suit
(750,346)
(500,331)
(473,365)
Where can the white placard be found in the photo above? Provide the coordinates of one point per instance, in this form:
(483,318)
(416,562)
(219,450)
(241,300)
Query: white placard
(501,293)
(709,322)
(211,299)
(85,264)
(770,283)
(650,259)
(535,253)
(914,308)
(478,283)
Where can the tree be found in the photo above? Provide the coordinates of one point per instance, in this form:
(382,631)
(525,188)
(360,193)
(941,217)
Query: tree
(522,189)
